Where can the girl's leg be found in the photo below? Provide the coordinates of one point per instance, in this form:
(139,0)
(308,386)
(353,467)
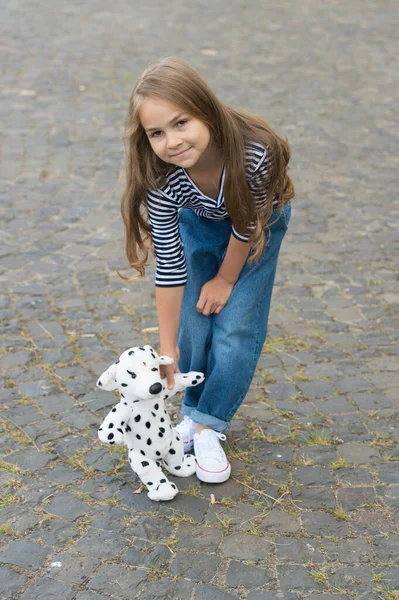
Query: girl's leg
(238,334)
(203,248)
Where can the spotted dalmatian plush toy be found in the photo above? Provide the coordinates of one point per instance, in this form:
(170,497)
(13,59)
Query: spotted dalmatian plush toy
(140,420)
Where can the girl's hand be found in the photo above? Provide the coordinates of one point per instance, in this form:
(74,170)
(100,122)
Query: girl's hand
(168,371)
(214,295)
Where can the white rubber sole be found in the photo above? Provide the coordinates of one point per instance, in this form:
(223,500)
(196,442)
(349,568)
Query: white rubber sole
(188,446)
(213,476)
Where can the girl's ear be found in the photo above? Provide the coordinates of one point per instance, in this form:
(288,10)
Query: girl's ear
(166,360)
(107,379)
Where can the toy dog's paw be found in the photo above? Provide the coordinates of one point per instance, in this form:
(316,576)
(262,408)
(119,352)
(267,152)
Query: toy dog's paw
(192,378)
(109,436)
(185,469)
(164,491)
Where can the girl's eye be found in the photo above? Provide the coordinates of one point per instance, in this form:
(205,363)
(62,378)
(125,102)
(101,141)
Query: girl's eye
(182,122)
(156,134)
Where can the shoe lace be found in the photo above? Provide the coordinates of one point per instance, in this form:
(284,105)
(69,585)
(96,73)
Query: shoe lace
(208,443)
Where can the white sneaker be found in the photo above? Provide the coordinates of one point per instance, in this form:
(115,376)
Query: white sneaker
(186,430)
(212,464)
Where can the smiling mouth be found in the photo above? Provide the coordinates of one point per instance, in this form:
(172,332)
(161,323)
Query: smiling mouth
(181,153)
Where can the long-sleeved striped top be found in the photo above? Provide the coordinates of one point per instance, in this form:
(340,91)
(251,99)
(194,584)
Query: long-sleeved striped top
(181,192)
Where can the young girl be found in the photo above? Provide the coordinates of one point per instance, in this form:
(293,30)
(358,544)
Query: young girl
(208,186)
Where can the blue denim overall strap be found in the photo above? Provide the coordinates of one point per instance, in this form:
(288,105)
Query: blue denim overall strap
(226,347)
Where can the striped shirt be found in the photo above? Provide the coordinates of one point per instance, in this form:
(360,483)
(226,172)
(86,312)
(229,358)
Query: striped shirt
(181,192)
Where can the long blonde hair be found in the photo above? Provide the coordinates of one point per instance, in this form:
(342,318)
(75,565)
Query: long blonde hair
(174,81)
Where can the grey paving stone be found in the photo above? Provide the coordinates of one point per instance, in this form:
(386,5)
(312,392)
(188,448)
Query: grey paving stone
(208,592)
(316,389)
(295,578)
(100,544)
(240,516)
(29,459)
(316,498)
(67,506)
(307,475)
(324,524)
(388,473)
(359,453)
(301,550)
(371,522)
(245,547)
(71,568)
(19,518)
(205,539)
(356,476)
(26,555)
(36,389)
(198,567)
(113,519)
(262,595)
(54,404)
(54,532)
(10,582)
(167,590)
(353,498)
(48,588)
(239,574)
(117,580)
(349,551)
(280,521)
(332,406)
(356,579)
(61,474)
(91,596)
(71,444)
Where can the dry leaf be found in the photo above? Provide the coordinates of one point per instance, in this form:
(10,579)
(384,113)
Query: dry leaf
(150,330)
(209,52)
(213,499)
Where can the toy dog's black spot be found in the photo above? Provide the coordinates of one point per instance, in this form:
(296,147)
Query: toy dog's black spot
(145,364)
(148,424)
(153,414)
(178,439)
(150,483)
(111,436)
(138,437)
(173,486)
(177,468)
(198,377)
(132,375)
(124,384)
(143,349)
(156,406)
(112,443)
(154,369)
(158,453)
(131,352)
(125,403)
(160,435)
(165,462)
(158,463)
(122,395)
(149,442)
(145,463)
(113,410)
(99,383)
(162,420)
(194,382)
(137,418)
(162,429)
(100,429)
(162,481)
(128,429)
(120,430)
(122,422)
(117,362)
(171,451)
(110,426)
(142,452)
(166,396)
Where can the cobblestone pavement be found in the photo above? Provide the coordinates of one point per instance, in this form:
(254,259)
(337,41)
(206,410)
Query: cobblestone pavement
(312,509)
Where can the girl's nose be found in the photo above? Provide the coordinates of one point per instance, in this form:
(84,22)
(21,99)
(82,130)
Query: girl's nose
(174,142)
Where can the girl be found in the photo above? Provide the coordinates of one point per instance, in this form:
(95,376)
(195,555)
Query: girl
(208,186)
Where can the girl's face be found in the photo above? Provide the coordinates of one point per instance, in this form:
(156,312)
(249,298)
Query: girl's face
(175,136)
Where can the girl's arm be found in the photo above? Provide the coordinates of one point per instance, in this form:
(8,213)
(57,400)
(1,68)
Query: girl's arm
(234,260)
(169,301)
(215,293)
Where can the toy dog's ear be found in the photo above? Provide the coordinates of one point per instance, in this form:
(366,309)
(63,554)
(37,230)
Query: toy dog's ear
(166,360)
(107,379)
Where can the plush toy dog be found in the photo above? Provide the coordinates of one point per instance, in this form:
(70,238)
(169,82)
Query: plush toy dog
(140,420)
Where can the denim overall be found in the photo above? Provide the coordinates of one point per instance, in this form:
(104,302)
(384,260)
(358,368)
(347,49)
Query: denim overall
(225,347)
